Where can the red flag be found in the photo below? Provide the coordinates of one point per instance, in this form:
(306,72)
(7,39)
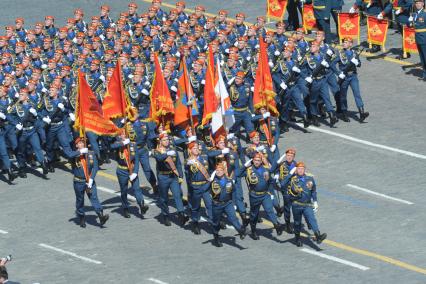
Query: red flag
(88,112)
(308,17)
(115,102)
(185,114)
(349,25)
(409,40)
(275,9)
(162,107)
(210,100)
(377,31)
(264,95)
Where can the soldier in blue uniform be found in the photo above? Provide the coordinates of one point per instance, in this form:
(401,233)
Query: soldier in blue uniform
(303,192)
(322,12)
(197,168)
(222,190)
(258,181)
(348,62)
(4,156)
(170,176)
(127,170)
(84,169)
(418,19)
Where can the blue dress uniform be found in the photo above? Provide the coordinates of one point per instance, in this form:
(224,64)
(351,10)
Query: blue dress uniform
(4,157)
(242,103)
(81,187)
(127,171)
(169,175)
(258,182)
(404,6)
(346,61)
(8,127)
(330,54)
(222,191)
(322,11)
(302,191)
(284,180)
(24,120)
(419,20)
(198,185)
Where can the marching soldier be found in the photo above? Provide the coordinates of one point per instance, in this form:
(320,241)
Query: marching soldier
(304,195)
(127,171)
(84,168)
(418,19)
(170,176)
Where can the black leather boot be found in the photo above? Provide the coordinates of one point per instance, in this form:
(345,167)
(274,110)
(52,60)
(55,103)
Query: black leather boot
(306,121)
(345,117)
(279,228)
(279,210)
(362,114)
(10,175)
(44,167)
(333,119)
(216,241)
(144,208)
(50,167)
(245,219)
(253,233)
(315,121)
(298,240)
(242,232)
(166,221)
(103,218)
(82,221)
(126,213)
(182,218)
(320,237)
(289,228)
(196,228)
(22,173)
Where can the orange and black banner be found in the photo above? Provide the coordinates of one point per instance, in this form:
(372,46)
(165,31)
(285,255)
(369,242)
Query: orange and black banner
(377,31)
(349,26)
(309,22)
(409,40)
(275,9)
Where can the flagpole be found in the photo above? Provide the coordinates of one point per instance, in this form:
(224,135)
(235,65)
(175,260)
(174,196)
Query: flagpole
(191,121)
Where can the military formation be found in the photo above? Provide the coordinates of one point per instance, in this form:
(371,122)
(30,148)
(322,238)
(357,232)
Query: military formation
(38,100)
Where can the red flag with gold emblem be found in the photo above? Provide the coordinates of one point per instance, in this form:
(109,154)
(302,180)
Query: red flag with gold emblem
(88,112)
(308,17)
(264,95)
(211,101)
(349,25)
(115,103)
(409,40)
(377,30)
(275,9)
(162,107)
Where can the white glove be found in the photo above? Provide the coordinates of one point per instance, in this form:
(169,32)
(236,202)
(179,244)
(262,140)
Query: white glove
(147,84)
(315,207)
(260,148)
(271,64)
(283,85)
(130,77)
(61,106)
(2,116)
(299,58)
(19,126)
(342,76)
(83,151)
(150,153)
(273,148)
(252,88)
(295,69)
(171,153)
(74,40)
(102,78)
(281,159)
(266,115)
(227,50)
(65,98)
(192,138)
(292,171)
(90,183)
(102,37)
(352,10)
(44,90)
(410,19)
(277,179)
(276,53)
(145,92)
(16,96)
(203,82)
(47,119)
(72,116)
(248,163)
(380,16)
(369,5)
(177,54)
(355,61)
(212,176)
(33,111)
(231,81)
(133,176)
(309,79)
(230,136)
(126,141)
(248,58)
(43,66)
(225,151)
(330,52)
(190,162)
(397,12)
(173,88)
(256,46)
(325,64)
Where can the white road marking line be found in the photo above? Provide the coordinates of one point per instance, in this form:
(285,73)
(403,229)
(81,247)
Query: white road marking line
(380,194)
(336,259)
(71,254)
(156,281)
(3,232)
(365,142)
(130,197)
